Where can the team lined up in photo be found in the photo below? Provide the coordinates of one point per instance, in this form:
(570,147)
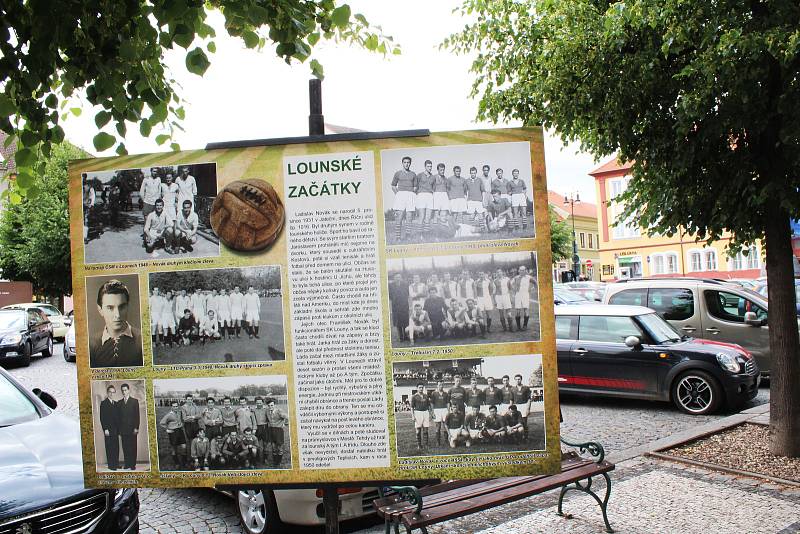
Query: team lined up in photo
(434,207)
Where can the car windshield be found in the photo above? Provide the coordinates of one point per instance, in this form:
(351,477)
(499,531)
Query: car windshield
(659,329)
(49,310)
(12,320)
(15,407)
(564,295)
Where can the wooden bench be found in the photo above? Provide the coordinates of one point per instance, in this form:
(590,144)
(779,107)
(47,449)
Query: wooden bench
(417,508)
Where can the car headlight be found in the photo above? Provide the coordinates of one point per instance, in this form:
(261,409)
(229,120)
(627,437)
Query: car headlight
(728,362)
(12,339)
(120,494)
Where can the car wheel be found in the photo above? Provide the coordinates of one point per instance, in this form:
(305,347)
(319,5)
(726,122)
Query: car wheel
(67,357)
(258,512)
(697,393)
(47,351)
(25,359)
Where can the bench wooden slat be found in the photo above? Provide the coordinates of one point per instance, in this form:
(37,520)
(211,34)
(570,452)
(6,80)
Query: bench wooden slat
(443,494)
(458,508)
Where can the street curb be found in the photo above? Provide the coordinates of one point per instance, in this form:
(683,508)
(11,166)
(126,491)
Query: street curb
(701,431)
(724,469)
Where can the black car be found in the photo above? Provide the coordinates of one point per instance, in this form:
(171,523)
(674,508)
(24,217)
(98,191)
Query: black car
(630,351)
(41,472)
(24,333)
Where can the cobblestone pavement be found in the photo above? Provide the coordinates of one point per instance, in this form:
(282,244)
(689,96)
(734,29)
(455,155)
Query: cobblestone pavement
(618,424)
(648,496)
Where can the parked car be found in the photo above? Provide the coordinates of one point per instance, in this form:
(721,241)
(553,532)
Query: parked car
(59,321)
(761,289)
(561,295)
(703,308)
(69,344)
(630,351)
(269,511)
(24,333)
(588,290)
(41,471)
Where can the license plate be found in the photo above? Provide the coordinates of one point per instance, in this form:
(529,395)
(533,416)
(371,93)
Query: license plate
(12,353)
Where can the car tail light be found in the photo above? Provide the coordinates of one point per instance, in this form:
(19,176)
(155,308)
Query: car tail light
(340,491)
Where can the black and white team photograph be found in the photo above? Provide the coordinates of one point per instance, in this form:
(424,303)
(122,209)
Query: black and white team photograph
(119,413)
(222,423)
(469,405)
(463,300)
(147,213)
(113,303)
(216,315)
(457,193)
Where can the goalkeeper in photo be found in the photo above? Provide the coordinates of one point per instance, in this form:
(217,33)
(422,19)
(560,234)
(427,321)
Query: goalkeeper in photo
(216,315)
(501,410)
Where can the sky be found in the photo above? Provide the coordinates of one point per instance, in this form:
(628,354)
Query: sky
(248,94)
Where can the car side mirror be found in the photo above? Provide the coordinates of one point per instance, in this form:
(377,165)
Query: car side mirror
(752,319)
(632,342)
(46,398)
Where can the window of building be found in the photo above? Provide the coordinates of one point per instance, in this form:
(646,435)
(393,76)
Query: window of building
(710,260)
(583,240)
(696,261)
(591,244)
(658,264)
(746,259)
(622,228)
(672,262)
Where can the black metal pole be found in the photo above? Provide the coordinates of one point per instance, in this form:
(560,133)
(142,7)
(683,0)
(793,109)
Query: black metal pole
(316,120)
(316,126)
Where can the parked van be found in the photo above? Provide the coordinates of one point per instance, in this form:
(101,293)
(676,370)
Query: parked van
(703,308)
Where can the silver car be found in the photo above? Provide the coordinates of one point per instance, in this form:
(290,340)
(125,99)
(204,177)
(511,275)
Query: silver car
(704,309)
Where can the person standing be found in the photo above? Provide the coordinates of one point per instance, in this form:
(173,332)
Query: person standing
(224,314)
(190,415)
(424,199)
(522,399)
(457,193)
(169,194)
(440,401)
(475,191)
(421,414)
(398,299)
(89,198)
(519,200)
(435,307)
(198,306)
(173,424)
(244,416)
(501,184)
(187,188)
(211,419)
(502,297)
(441,201)
(262,425)
(277,421)
(403,185)
(228,417)
(128,427)
(487,186)
(237,310)
(522,286)
(418,291)
(484,292)
(109,422)
(149,192)
(252,311)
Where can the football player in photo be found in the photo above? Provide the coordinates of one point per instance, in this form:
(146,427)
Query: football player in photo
(403,185)
(421,413)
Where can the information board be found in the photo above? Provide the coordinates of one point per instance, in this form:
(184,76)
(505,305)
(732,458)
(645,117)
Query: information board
(398,325)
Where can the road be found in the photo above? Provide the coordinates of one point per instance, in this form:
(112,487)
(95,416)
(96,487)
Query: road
(617,424)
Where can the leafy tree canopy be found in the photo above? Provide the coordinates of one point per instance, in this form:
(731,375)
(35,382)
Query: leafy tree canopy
(113,52)
(560,237)
(703,96)
(34,235)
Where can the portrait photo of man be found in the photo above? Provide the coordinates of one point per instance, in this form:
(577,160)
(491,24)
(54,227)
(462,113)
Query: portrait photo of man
(120,425)
(115,338)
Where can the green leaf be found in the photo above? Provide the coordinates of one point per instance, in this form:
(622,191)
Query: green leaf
(28,138)
(145,128)
(10,139)
(76,111)
(56,134)
(32,192)
(183,36)
(197,62)
(25,180)
(7,107)
(159,113)
(51,101)
(341,16)
(313,38)
(180,113)
(14,198)
(102,118)
(316,69)
(371,43)
(103,141)
(121,150)
(250,39)
(25,157)
(161,139)
(121,128)
(211,47)
(175,146)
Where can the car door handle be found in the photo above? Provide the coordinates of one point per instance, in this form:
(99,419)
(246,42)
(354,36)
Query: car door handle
(580,351)
(712,330)
(688,329)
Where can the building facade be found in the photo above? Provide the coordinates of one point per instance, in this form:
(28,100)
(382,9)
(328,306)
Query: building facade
(587,236)
(627,251)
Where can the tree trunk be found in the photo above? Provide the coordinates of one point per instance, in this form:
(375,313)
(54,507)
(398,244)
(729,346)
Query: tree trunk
(784,342)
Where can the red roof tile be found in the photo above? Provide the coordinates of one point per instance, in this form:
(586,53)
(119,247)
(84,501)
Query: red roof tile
(610,166)
(582,209)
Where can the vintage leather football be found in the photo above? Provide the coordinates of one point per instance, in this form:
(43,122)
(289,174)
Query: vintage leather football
(247,215)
